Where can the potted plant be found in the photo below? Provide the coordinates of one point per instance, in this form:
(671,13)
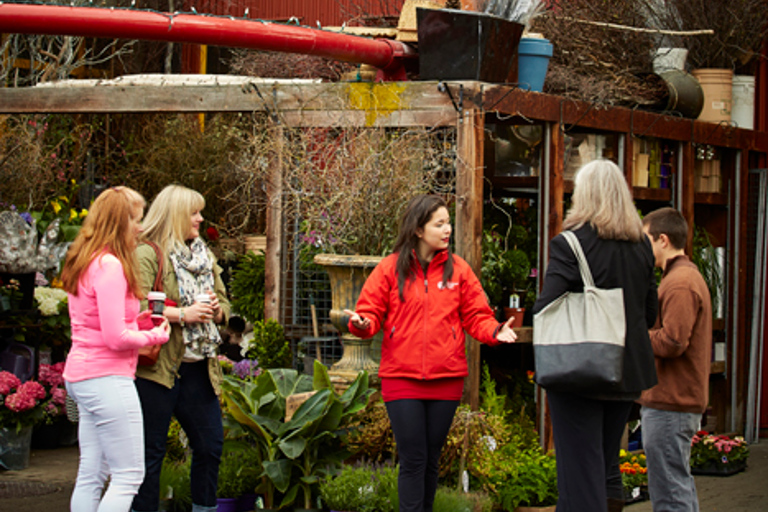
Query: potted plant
(505,270)
(267,345)
(294,454)
(237,475)
(718,454)
(360,488)
(247,287)
(21,407)
(634,476)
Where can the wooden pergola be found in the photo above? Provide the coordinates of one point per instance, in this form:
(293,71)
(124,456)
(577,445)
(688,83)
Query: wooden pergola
(466,106)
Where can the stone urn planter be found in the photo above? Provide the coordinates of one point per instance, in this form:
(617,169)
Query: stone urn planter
(348,274)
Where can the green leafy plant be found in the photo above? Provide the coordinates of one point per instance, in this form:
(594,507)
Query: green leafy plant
(238,473)
(705,258)
(361,488)
(268,345)
(533,483)
(296,454)
(247,287)
(175,489)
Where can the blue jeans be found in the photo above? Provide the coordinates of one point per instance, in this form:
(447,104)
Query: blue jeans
(111,443)
(420,428)
(667,442)
(195,405)
(587,434)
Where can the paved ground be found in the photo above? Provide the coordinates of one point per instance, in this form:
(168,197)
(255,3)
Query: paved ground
(45,486)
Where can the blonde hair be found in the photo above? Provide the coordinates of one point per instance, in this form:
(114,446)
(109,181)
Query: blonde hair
(169,218)
(107,227)
(601,198)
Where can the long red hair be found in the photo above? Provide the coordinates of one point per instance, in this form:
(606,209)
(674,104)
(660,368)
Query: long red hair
(106,228)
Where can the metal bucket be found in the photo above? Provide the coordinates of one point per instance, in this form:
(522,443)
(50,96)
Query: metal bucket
(684,94)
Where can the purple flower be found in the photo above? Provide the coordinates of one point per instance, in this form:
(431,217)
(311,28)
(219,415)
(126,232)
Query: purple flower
(27,217)
(246,368)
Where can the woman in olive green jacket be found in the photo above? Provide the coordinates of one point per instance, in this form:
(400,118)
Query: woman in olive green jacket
(184,382)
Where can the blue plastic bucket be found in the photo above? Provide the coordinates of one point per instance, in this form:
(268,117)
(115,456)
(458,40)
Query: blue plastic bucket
(532,61)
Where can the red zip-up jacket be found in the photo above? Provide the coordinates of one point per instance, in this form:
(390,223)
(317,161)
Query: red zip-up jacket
(424,336)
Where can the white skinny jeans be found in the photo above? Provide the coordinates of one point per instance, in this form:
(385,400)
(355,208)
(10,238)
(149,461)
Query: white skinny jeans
(111,436)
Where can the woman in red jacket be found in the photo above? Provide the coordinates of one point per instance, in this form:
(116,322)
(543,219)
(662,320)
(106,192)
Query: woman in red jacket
(423,297)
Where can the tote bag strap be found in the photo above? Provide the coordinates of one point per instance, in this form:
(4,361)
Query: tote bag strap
(586,274)
(158,286)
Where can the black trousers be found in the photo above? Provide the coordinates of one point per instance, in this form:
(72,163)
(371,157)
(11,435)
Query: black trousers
(587,437)
(420,428)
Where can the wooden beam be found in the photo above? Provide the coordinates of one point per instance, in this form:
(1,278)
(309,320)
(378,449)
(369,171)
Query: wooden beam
(368,97)
(470,135)
(273,253)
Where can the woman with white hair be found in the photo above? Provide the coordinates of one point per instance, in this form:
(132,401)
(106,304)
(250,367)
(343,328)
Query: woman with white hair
(588,426)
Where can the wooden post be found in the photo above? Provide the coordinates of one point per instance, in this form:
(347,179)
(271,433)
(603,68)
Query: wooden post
(686,205)
(273,253)
(469,222)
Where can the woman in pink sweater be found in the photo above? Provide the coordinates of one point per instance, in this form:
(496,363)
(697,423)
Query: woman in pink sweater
(100,276)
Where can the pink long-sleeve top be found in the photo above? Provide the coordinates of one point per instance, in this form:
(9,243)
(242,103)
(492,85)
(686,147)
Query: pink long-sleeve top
(105,335)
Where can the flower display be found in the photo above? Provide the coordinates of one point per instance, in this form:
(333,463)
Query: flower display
(634,472)
(50,300)
(55,324)
(714,449)
(22,403)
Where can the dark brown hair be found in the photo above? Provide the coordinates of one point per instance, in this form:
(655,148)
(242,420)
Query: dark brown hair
(418,212)
(670,222)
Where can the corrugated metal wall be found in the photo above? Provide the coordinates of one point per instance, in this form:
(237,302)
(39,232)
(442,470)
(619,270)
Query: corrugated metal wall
(308,12)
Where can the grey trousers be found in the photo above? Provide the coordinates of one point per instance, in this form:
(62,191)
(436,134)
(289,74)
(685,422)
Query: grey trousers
(667,443)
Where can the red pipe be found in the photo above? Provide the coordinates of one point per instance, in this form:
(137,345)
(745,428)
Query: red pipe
(384,54)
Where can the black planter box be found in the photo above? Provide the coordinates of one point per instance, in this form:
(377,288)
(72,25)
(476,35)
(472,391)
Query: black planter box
(465,45)
(715,469)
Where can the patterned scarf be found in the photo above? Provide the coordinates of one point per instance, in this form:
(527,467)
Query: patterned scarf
(194,271)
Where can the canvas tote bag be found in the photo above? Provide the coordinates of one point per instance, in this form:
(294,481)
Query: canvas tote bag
(578,339)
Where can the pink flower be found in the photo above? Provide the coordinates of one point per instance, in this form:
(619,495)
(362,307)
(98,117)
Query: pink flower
(58,395)
(20,402)
(51,375)
(34,389)
(8,381)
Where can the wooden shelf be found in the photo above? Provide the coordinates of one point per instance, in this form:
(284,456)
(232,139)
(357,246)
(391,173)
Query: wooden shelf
(652,194)
(717,367)
(710,198)
(524,334)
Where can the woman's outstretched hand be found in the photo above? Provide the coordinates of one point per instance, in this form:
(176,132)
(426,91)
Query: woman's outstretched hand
(506,334)
(358,321)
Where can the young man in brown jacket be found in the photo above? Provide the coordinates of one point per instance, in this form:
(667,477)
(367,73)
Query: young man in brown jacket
(682,344)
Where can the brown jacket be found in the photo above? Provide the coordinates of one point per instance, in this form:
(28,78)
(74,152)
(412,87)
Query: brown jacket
(682,340)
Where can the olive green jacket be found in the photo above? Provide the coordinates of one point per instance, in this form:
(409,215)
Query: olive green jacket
(165,370)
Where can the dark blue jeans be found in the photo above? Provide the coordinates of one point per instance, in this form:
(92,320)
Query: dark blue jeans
(420,428)
(195,405)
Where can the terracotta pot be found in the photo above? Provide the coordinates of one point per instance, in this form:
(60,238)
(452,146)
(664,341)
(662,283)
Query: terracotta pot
(518,313)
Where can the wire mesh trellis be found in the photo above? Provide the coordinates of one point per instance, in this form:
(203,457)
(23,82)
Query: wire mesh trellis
(347,200)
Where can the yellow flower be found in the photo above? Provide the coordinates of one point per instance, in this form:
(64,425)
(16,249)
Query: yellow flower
(56,283)
(56,207)
(622,453)
(64,198)
(72,214)
(83,213)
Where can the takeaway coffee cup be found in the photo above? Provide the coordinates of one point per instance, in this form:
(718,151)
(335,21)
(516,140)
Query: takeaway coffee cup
(156,303)
(203,297)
